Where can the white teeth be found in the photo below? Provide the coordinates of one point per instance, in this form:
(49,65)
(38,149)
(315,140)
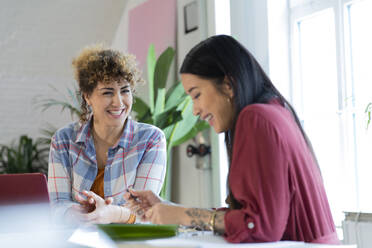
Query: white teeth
(208,117)
(116,112)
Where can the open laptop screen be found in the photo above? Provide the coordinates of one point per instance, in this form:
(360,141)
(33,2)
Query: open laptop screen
(23,189)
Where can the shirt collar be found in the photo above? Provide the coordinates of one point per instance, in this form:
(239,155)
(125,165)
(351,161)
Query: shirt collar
(126,138)
(84,131)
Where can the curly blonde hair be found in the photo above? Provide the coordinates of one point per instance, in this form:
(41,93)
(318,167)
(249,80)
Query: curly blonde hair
(97,64)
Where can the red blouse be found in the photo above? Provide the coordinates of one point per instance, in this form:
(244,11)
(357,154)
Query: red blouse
(276,180)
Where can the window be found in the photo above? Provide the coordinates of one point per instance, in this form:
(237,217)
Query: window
(222,26)
(331,87)
(358,40)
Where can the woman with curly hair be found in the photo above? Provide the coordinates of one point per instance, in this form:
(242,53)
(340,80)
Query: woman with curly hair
(106,152)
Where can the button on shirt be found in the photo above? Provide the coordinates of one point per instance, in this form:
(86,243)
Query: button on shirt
(250,225)
(276,180)
(138,161)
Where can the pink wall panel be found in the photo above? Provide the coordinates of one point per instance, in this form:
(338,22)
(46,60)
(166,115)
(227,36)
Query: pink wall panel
(152,22)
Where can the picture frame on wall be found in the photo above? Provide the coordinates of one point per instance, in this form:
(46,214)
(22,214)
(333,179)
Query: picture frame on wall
(191,20)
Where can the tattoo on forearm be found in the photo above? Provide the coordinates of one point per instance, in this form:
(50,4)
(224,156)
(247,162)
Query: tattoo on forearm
(199,217)
(219,223)
(197,213)
(199,225)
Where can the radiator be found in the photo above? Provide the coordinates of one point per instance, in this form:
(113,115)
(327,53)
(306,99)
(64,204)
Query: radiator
(357,229)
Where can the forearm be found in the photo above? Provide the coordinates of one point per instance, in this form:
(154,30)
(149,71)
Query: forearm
(203,218)
(122,214)
(59,210)
(104,212)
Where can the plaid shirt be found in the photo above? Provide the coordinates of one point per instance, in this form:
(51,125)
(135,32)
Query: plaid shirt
(138,161)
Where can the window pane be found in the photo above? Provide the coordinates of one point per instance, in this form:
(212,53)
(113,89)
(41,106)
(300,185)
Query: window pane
(319,101)
(360,45)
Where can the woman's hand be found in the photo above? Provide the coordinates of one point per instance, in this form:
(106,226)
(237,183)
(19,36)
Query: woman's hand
(75,214)
(86,205)
(104,212)
(162,213)
(140,201)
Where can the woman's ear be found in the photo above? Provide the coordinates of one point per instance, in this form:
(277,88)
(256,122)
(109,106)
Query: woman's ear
(227,87)
(86,98)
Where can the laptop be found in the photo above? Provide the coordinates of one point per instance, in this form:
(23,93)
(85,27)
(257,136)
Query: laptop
(28,188)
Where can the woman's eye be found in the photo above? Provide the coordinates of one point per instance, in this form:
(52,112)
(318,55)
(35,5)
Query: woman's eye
(197,96)
(125,91)
(107,93)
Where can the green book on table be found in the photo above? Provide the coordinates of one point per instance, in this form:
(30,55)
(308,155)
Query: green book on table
(138,231)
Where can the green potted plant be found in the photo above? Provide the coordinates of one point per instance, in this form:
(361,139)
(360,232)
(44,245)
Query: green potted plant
(70,101)
(368,112)
(25,157)
(170,110)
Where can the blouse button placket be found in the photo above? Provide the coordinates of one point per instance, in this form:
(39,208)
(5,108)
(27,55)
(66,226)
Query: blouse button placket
(250,225)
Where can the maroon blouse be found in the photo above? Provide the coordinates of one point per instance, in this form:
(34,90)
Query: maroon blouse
(276,180)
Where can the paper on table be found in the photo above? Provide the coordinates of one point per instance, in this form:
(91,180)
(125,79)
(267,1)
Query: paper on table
(208,240)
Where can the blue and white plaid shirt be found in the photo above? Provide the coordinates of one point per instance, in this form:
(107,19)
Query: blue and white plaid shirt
(138,161)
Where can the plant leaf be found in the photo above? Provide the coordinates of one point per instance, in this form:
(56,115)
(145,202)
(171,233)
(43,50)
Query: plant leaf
(25,157)
(162,69)
(368,111)
(151,62)
(164,193)
(168,118)
(70,102)
(189,120)
(160,101)
(140,107)
(181,128)
(75,98)
(175,96)
(47,103)
(198,127)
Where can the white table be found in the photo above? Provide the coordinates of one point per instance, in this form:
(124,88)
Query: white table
(208,240)
(93,238)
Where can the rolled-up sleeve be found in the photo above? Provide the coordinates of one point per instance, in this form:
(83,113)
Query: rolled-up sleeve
(59,179)
(259,182)
(152,167)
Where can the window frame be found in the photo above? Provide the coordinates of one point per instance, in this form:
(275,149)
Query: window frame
(305,9)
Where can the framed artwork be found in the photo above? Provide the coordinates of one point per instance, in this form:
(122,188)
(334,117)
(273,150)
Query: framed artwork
(190,13)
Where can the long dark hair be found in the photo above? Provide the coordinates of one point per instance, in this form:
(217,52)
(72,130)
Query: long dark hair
(222,56)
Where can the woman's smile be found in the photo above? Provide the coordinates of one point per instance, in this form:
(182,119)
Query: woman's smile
(116,113)
(209,102)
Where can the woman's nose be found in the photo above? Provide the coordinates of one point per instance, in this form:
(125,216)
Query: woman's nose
(118,100)
(195,110)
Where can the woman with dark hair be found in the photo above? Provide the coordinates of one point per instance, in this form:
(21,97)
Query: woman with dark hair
(275,186)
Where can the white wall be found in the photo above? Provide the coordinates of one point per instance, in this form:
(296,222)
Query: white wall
(279,44)
(38,40)
(120,41)
(192,186)
(123,34)
(249,25)
(262,27)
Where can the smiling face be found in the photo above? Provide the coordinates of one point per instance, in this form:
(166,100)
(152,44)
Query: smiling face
(211,104)
(111,103)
